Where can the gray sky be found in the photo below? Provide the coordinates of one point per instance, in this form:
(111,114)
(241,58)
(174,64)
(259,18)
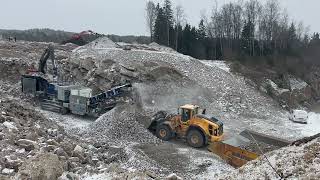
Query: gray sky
(121,17)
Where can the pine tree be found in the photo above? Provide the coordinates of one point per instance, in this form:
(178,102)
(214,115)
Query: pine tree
(201,30)
(160,30)
(247,36)
(179,38)
(292,38)
(317,36)
(194,42)
(201,45)
(315,40)
(292,32)
(186,34)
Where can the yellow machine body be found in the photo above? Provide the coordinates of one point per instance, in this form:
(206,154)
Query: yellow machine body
(213,131)
(235,156)
(200,130)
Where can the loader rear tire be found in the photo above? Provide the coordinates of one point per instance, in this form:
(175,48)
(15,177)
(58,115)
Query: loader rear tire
(163,132)
(195,138)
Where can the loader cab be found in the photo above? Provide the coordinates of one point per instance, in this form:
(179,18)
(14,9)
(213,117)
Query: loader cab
(188,111)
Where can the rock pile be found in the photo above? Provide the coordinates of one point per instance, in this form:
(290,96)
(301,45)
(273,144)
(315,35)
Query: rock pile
(158,47)
(100,43)
(122,125)
(114,143)
(296,93)
(293,162)
(34,147)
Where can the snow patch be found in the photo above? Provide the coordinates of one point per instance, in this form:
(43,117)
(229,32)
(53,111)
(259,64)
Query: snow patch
(217,63)
(96,177)
(313,126)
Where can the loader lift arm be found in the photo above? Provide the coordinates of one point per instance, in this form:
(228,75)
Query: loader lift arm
(48,53)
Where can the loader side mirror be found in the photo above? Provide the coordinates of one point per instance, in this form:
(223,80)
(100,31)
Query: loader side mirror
(204,111)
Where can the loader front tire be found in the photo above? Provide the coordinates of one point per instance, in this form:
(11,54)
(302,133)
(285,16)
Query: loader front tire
(163,132)
(195,138)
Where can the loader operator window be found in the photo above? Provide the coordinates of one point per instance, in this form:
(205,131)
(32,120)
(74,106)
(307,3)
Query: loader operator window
(185,115)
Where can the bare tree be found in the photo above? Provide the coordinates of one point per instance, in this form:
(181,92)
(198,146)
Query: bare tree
(269,26)
(282,32)
(237,20)
(226,13)
(251,11)
(179,20)
(217,28)
(213,22)
(300,31)
(169,17)
(150,17)
(272,12)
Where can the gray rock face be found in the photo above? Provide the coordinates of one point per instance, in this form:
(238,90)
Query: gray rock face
(79,153)
(27,144)
(44,166)
(7,171)
(10,125)
(69,176)
(74,159)
(12,162)
(298,93)
(78,149)
(53,132)
(173,177)
(60,152)
(52,142)
(1,136)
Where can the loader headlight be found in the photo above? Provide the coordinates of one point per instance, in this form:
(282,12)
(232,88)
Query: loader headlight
(210,127)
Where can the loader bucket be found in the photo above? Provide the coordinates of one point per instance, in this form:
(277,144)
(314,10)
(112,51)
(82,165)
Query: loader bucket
(247,146)
(232,152)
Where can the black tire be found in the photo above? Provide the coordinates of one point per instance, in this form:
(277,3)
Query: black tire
(163,132)
(155,123)
(195,138)
(64,111)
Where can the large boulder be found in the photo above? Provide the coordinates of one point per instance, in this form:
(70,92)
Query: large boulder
(87,63)
(297,93)
(27,144)
(45,166)
(301,91)
(313,79)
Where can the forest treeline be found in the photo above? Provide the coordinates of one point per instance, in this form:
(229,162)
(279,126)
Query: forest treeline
(242,30)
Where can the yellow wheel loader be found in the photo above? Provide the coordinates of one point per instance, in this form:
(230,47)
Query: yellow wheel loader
(197,129)
(200,130)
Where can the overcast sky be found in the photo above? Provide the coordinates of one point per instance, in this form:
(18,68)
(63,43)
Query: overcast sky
(123,17)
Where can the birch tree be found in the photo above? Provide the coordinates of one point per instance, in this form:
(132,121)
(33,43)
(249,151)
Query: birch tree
(151,15)
(179,19)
